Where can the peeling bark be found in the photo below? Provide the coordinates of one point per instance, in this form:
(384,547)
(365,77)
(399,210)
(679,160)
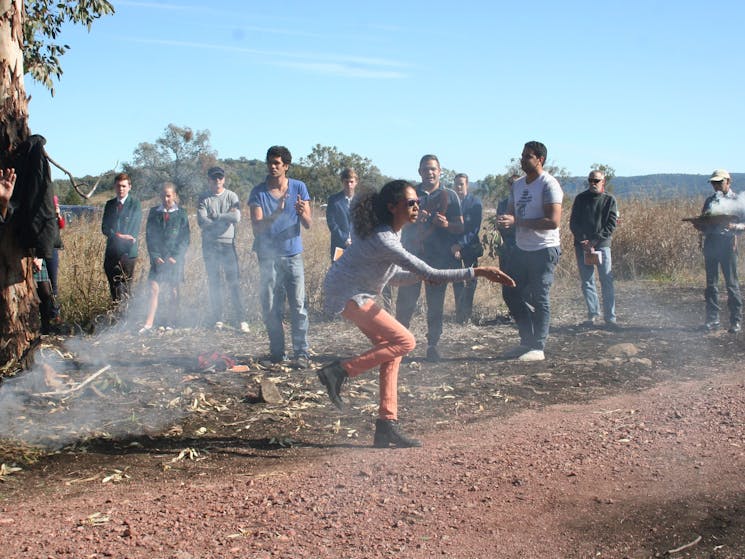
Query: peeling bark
(19,306)
(19,316)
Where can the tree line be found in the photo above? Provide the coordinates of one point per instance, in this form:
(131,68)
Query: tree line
(182,156)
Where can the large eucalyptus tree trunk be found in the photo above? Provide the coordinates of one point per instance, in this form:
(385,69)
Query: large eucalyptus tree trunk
(18,301)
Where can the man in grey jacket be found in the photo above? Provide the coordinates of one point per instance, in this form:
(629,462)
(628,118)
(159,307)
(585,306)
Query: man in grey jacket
(218,214)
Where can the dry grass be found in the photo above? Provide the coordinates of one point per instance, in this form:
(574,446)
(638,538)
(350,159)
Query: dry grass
(651,243)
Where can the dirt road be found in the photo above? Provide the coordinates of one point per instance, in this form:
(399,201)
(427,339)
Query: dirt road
(625,444)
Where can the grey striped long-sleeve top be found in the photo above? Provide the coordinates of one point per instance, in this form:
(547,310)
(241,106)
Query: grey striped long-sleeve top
(371,263)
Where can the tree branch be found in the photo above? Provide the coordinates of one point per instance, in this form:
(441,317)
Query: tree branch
(72,179)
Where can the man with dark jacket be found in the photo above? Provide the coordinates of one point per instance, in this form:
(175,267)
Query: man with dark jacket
(592,222)
(468,247)
(438,227)
(337,212)
(121,221)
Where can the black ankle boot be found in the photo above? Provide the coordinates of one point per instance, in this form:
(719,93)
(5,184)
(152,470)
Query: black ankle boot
(332,376)
(387,432)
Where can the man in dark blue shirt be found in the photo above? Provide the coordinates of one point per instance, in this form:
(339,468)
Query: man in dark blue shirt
(468,247)
(438,227)
(337,213)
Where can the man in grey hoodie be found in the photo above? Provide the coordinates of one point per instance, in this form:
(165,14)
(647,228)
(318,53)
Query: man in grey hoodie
(218,214)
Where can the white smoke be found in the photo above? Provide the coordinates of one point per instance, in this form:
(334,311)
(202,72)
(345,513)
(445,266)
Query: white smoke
(135,395)
(729,206)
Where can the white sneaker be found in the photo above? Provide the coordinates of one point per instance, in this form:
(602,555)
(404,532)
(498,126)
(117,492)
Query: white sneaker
(532,355)
(145,330)
(515,352)
(219,325)
(244,327)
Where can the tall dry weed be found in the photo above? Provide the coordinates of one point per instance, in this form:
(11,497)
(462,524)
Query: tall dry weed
(651,242)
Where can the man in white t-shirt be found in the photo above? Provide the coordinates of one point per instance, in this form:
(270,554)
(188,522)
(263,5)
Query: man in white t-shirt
(534,210)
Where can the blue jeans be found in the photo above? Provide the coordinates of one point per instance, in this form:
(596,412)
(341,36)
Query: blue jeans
(587,279)
(528,301)
(283,278)
(721,253)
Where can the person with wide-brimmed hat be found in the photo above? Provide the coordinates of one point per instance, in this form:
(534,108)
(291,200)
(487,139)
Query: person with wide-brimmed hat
(720,251)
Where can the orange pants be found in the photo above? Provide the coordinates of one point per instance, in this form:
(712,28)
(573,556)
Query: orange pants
(391,342)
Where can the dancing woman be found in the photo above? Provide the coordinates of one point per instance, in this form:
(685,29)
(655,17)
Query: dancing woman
(374,259)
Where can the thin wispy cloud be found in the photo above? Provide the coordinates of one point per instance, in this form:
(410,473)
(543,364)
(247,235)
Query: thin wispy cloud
(343,70)
(281,31)
(322,63)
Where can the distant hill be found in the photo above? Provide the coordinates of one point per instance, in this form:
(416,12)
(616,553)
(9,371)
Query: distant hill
(661,186)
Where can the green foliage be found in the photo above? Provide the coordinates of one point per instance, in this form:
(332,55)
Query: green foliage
(320,170)
(41,27)
(180,155)
(447,177)
(493,188)
(243,174)
(68,195)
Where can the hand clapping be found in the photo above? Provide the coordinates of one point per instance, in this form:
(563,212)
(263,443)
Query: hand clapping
(300,205)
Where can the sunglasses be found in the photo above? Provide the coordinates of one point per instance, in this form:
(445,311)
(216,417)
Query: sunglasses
(411,202)
(594,181)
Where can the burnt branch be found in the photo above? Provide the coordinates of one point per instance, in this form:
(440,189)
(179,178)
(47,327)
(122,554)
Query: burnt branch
(75,185)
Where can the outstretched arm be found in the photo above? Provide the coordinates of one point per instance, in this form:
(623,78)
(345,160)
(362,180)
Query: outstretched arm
(494,274)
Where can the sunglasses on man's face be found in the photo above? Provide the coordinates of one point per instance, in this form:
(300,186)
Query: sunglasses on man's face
(594,181)
(411,202)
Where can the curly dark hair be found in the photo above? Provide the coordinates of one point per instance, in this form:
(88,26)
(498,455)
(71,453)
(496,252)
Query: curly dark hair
(281,152)
(370,208)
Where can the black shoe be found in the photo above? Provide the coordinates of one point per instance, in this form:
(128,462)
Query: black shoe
(712,325)
(387,433)
(301,361)
(589,323)
(273,360)
(433,354)
(735,328)
(332,376)
(612,325)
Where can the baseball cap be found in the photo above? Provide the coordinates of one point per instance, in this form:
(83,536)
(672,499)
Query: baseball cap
(719,175)
(216,173)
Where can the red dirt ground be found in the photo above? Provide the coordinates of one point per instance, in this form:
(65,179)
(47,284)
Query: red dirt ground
(593,453)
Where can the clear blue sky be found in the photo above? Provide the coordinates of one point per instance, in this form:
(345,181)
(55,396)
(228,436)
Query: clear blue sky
(644,86)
